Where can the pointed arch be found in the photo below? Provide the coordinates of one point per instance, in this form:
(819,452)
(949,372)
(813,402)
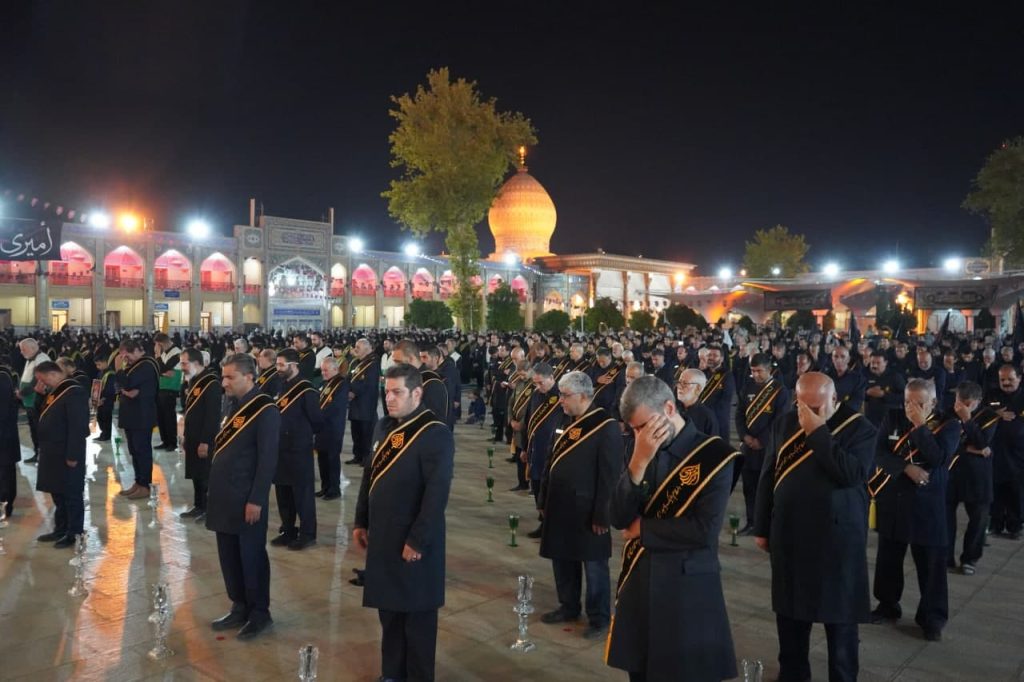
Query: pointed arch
(423,284)
(172,270)
(364,280)
(394,282)
(123,268)
(217,273)
(296,278)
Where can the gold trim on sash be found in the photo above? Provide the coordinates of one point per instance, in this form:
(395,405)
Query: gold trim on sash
(780,461)
(762,401)
(395,443)
(612,373)
(144,360)
(196,392)
(359,370)
(522,401)
(550,403)
(875,488)
(976,418)
(58,393)
(299,389)
(265,375)
(716,382)
(237,422)
(577,432)
(327,391)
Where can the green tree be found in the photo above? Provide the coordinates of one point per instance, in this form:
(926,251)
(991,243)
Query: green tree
(552,322)
(802,319)
(682,316)
(775,248)
(503,309)
(999,196)
(429,315)
(604,311)
(454,148)
(641,321)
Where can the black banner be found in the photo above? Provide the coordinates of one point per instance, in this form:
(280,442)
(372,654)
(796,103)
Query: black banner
(29,239)
(954,296)
(802,299)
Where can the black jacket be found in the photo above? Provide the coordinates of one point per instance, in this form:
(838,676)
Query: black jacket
(202,421)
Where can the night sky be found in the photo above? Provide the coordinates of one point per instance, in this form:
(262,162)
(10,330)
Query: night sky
(673,133)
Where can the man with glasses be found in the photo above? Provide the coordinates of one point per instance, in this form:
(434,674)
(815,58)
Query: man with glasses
(583,466)
(688,389)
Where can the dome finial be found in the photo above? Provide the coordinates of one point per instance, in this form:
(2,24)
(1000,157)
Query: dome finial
(522,157)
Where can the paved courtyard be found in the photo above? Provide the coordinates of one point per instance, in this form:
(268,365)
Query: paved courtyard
(47,635)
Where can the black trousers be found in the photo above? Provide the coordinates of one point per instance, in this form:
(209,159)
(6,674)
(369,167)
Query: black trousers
(167,416)
(140,447)
(408,644)
(329,463)
(69,506)
(750,480)
(974,537)
(933,609)
(520,469)
(569,586)
(9,485)
(246,569)
(362,438)
(297,500)
(199,488)
(33,424)
(737,470)
(105,420)
(1008,506)
(794,648)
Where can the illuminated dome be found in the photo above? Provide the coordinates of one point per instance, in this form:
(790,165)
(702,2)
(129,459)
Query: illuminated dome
(522,217)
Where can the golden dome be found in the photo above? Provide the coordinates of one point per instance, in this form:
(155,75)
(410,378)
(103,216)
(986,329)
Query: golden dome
(522,218)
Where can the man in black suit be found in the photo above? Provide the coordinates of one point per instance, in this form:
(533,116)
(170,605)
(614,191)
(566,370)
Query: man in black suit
(268,380)
(10,442)
(167,359)
(688,389)
(400,523)
(202,422)
(661,370)
(329,440)
(63,428)
(812,511)
(137,380)
(241,470)
(435,392)
(364,380)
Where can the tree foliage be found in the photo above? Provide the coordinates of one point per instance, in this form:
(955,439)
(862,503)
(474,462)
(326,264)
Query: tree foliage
(998,195)
(552,322)
(603,312)
(641,321)
(682,316)
(429,315)
(503,309)
(776,247)
(802,319)
(454,148)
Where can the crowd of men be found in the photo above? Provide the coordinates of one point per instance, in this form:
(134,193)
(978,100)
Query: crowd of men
(646,433)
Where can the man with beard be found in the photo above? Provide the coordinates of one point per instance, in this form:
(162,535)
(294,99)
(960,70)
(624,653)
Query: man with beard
(762,402)
(167,398)
(691,385)
(268,381)
(849,382)
(400,523)
(719,390)
(364,379)
(583,467)
(331,438)
(241,470)
(542,417)
(202,422)
(1008,454)
(884,391)
(970,475)
(293,482)
(137,379)
(307,357)
(924,368)
(812,510)
(670,619)
(608,379)
(63,428)
(434,392)
(660,369)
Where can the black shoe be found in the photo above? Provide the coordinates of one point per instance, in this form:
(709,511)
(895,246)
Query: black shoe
(933,635)
(559,615)
(355,461)
(200,518)
(747,530)
(511,460)
(319,493)
(359,579)
(283,539)
(65,542)
(102,438)
(51,537)
(253,628)
(519,487)
(331,496)
(301,543)
(595,631)
(191,513)
(34,459)
(229,622)
(536,532)
(885,614)
(968,569)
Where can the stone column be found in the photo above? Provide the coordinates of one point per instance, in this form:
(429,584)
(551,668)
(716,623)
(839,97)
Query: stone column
(148,259)
(625,293)
(42,297)
(98,288)
(195,293)
(237,319)
(969,319)
(378,299)
(647,291)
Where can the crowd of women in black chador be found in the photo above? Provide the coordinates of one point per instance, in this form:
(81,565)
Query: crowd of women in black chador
(976,378)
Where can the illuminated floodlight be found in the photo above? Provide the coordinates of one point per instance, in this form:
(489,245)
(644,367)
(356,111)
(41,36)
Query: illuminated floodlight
(725,273)
(510,258)
(831,269)
(99,220)
(952,264)
(356,245)
(891,266)
(412,249)
(129,222)
(776,271)
(198,229)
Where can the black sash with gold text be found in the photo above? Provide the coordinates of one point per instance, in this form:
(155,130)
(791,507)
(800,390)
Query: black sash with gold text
(761,405)
(714,384)
(328,389)
(395,443)
(265,375)
(901,448)
(521,402)
(985,419)
(795,452)
(359,370)
(241,419)
(293,394)
(145,361)
(612,372)
(543,411)
(58,393)
(577,432)
(196,390)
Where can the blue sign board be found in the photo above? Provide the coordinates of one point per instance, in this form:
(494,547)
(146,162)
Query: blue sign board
(161,307)
(172,293)
(296,312)
(58,304)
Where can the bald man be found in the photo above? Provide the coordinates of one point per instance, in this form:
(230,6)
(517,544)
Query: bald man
(812,512)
